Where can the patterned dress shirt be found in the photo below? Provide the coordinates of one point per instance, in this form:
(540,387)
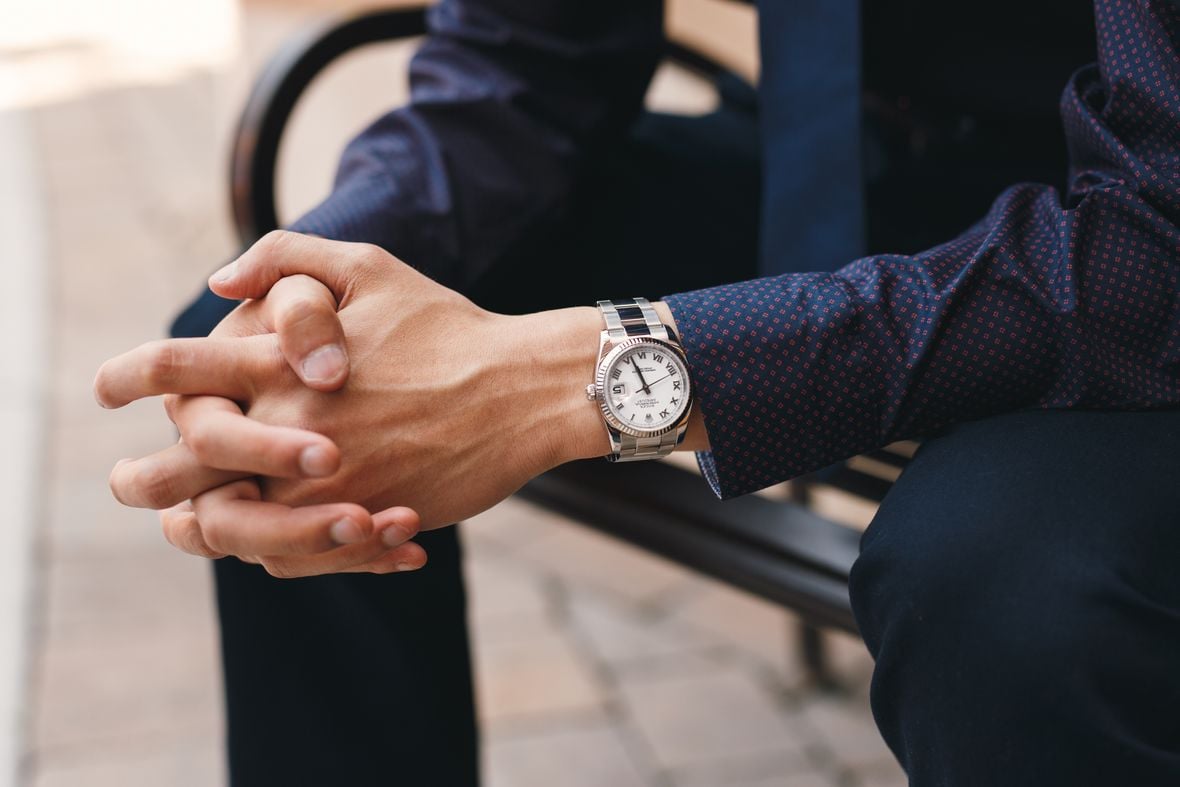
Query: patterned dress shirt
(1051,300)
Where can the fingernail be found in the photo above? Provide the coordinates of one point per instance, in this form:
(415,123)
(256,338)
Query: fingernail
(404,566)
(325,363)
(346,532)
(315,462)
(393,537)
(226,273)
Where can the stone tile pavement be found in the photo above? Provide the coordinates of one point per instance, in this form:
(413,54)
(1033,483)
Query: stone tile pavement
(596,664)
(589,650)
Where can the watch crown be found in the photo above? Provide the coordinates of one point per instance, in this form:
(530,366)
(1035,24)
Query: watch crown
(591,392)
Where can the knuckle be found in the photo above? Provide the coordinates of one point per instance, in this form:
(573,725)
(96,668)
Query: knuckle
(201,441)
(214,536)
(162,365)
(199,548)
(371,257)
(299,311)
(272,243)
(184,533)
(151,484)
(172,532)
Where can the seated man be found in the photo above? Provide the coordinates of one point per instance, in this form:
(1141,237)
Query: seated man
(1026,537)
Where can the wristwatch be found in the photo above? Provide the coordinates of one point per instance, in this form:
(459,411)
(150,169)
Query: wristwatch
(641,384)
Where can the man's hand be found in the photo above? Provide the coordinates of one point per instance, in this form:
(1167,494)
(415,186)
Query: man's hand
(448,408)
(208,469)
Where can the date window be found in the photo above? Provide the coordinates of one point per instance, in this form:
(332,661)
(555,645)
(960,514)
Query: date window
(619,389)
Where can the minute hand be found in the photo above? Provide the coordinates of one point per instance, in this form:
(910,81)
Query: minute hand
(632,396)
(653,382)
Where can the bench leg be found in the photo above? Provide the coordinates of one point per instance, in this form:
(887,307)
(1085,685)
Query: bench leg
(812,647)
(813,652)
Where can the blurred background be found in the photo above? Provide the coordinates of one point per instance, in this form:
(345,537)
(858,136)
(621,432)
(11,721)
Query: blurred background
(597,664)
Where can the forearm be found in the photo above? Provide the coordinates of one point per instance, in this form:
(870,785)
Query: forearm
(1030,309)
(510,99)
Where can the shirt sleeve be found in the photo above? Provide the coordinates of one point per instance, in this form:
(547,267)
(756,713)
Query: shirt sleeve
(1047,302)
(510,100)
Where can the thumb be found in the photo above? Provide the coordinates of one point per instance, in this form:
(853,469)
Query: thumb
(280,254)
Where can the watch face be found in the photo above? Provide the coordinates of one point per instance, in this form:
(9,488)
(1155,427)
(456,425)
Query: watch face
(646,387)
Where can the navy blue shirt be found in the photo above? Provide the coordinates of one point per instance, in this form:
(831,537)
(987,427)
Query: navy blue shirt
(1053,298)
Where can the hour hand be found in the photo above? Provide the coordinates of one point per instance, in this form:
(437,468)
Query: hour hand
(643,383)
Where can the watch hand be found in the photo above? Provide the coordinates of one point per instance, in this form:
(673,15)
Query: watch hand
(627,399)
(639,372)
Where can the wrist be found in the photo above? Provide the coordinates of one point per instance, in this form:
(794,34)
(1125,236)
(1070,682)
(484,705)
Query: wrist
(559,349)
(556,352)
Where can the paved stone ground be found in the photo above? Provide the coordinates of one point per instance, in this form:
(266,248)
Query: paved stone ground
(597,664)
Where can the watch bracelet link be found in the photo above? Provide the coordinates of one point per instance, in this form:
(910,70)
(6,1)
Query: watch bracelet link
(631,317)
(632,448)
(625,319)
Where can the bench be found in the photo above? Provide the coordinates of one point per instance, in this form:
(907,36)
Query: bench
(775,546)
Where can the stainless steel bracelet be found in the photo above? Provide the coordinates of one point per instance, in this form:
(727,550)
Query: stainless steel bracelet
(631,317)
(626,319)
(631,448)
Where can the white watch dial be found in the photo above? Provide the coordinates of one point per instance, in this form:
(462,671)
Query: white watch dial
(647,387)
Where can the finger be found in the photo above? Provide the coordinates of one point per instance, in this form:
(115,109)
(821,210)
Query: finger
(337,561)
(302,312)
(375,555)
(224,367)
(397,525)
(182,531)
(408,557)
(280,254)
(165,478)
(234,521)
(219,435)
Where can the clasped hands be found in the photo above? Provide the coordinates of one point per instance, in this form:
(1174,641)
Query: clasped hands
(347,403)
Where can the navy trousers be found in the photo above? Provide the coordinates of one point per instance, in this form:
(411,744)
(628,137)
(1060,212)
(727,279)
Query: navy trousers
(1018,588)
(1020,594)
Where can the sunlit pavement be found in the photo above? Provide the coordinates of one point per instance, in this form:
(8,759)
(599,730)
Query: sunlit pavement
(597,664)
